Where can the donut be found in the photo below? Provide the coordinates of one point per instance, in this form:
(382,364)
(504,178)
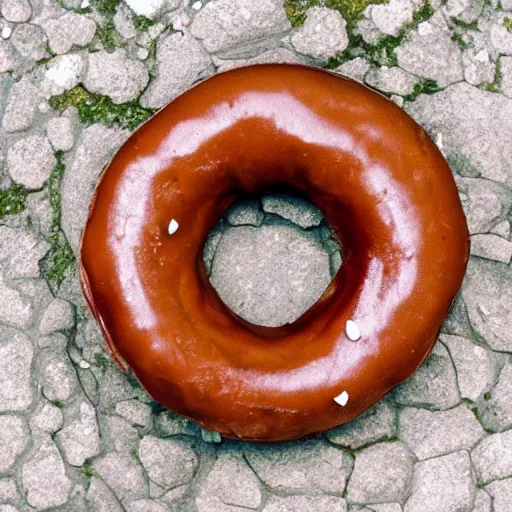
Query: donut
(387,193)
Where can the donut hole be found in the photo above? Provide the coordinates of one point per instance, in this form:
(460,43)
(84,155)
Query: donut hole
(271,257)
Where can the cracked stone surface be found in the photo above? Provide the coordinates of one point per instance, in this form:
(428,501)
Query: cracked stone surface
(434,385)
(491,283)
(115,75)
(181,61)
(382,473)
(492,457)
(432,433)
(431,53)
(230,483)
(376,424)
(474,366)
(76,434)
(496,411)
(323,34)
(314,467)
(442,483)
(14,437)
(30,161)
(222,25)
(44,477)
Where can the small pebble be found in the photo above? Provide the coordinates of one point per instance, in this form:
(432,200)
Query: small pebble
(6,32)
(173,227)
(142,53)
(85,4)
(196,6)
(342,399)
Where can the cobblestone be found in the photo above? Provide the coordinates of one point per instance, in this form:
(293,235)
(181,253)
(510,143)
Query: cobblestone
(30,161)
(382,473)
(312,467)
(14,438)
(44,477)
(442,483)
(323,34)
(115,75)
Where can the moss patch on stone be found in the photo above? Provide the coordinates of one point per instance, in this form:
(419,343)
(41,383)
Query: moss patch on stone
(351,10)
(507,23)
(296,10)
(13,200)
(141,22)
(382,53)
(106,7)
(495,86)
(60,258)
(427,86)
(88,470)
(108,36)
(95,108)
(71,98)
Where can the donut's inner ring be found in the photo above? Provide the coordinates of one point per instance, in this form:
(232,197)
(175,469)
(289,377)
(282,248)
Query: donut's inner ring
(271,256)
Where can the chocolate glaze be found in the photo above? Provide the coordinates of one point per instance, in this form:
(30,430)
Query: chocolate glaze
(386,191)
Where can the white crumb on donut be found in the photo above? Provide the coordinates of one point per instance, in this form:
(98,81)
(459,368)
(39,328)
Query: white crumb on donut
(341,399)
(352,330)
(173,227)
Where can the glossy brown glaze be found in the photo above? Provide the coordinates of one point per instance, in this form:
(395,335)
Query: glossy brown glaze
(386,191)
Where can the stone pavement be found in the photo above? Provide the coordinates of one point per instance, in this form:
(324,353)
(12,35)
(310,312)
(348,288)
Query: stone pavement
(75,434)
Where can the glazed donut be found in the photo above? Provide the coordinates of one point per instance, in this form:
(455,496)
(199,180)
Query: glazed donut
(387,193)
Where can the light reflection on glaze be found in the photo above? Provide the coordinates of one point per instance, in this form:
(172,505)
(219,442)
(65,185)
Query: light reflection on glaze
(188,353)
(133,196)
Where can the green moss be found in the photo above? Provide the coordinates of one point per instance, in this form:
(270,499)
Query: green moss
(507,23)
(58,404)
(88,470)
(458,38)
(464,25)
(106,7)
(296,10)
(426,12)
(78,10)
(108,36)
(495,85)
(462,166)
(12,200)
(60,258)
(102,360)
(94,108)
(141,22)
(71,98)
(427,86)
(352,10)
(382,53)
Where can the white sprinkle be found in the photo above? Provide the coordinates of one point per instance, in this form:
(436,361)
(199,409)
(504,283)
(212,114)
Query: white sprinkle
(196,6)
(352,330)
(142,54)
(173,227)
(84,364)
(6,32)
(424,29)
(85,4)
(342,399)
